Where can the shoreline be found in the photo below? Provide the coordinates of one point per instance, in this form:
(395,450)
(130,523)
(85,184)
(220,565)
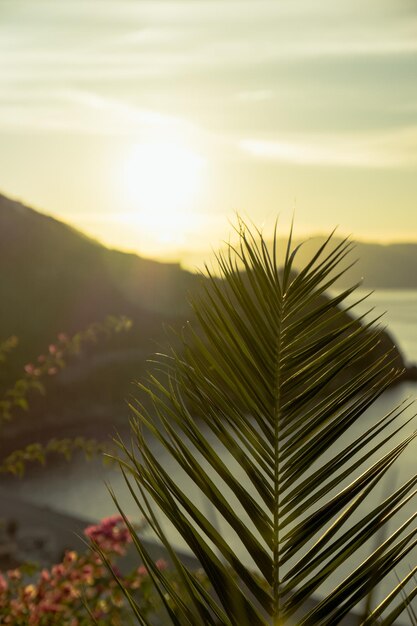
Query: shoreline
(104,428)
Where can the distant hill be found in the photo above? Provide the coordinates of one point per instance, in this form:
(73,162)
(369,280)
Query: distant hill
(382,266)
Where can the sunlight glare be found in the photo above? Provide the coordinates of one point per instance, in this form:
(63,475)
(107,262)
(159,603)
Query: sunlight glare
(161,180)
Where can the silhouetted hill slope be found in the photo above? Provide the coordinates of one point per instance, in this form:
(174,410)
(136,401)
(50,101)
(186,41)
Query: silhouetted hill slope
(382,266)
(53,278)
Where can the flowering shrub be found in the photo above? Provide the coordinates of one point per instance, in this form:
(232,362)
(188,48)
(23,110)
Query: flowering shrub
(45,366)
(80,590)
(52,361)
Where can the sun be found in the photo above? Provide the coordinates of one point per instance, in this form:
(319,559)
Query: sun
(162,180)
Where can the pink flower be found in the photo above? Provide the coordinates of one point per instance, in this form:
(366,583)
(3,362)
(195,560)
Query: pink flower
(63,337)
(58,570)
(87,574)
(52,371)
(69,590)
(45,576)
(29,369)
(41,358)
(3,583)
(142,570)
(70,556)
(90,531)
(161,564)
(111,534)
(87,570)
(52,348)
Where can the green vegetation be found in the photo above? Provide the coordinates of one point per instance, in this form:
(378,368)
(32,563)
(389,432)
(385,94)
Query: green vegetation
(260,379)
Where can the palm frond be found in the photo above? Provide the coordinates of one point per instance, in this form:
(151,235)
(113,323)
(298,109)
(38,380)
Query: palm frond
(257,411)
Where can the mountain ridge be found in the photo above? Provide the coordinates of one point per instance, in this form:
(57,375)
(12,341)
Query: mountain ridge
(379,265)
(391,265)
(57,257)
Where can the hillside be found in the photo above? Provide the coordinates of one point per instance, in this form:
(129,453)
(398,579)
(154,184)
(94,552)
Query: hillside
(53,279)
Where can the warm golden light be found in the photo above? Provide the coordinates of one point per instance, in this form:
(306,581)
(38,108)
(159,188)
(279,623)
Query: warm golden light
(162,178)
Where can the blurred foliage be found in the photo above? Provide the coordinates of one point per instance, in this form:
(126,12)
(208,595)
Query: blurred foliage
(34,379)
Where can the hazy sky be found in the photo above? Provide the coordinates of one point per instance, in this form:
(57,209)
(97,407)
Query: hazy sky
(147,124)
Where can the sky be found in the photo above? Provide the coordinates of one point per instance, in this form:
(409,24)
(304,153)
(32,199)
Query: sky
(149,124)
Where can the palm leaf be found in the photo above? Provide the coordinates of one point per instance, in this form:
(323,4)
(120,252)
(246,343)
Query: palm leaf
(253,410)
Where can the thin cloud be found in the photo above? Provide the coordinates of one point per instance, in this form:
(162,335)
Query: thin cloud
(88,112)
(385,150)
(255,95)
